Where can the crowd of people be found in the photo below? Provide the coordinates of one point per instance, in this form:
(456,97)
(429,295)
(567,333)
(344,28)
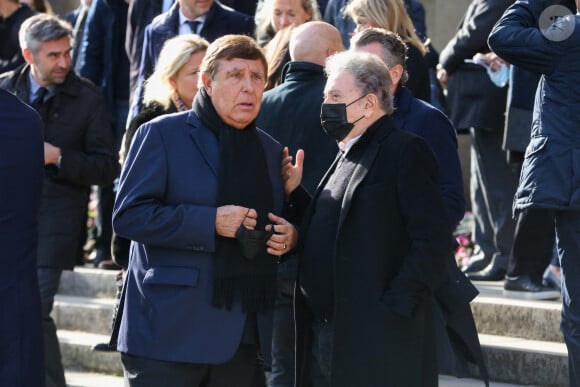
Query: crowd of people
(278,182)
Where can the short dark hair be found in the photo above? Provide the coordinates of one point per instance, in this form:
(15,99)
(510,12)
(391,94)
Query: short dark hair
(230,47)
(394,49)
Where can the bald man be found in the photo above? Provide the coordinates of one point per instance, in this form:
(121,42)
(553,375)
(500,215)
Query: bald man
(291,114)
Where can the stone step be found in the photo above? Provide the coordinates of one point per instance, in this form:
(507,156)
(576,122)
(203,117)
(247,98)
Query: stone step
(77,355)
(87,314)
(498,315)
(89,379)
(88,282)
(527,362)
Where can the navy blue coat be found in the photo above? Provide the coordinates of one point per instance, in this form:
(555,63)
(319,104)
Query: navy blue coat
(418,117)
(551,169)
(219,21)
(166,204)
(21,173)
(102,58)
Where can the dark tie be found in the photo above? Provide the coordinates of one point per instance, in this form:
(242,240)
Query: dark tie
(193,24)
(39,100)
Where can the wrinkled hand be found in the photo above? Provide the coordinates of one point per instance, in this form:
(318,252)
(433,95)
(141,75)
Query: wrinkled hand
(228,219)
(51,153)
(292,173)
(285,236)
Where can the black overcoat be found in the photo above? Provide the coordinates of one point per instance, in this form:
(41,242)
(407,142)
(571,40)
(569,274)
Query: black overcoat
(75,121)
(392,240)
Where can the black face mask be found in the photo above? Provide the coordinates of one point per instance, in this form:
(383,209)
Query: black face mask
(334,121)
(252,242)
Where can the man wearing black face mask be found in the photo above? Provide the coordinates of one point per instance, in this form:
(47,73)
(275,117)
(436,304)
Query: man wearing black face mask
(374,241)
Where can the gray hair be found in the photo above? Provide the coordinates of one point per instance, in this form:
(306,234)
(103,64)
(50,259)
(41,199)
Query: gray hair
(371,75)
(42,28)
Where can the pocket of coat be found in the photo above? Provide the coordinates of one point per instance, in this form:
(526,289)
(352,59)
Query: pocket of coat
(176,276)
(536,144)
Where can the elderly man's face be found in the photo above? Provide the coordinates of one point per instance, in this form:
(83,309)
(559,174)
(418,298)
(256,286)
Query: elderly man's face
(51,64)
(236,90)
(340,88)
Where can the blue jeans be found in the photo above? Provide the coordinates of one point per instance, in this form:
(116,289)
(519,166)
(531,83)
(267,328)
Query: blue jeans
(568,236)
(48,281)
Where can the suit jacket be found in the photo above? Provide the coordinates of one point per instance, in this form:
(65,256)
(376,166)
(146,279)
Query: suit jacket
(166,204)
(219,21)
(139,15)
(75,120)
(21,173)
(473,100)
(391,244)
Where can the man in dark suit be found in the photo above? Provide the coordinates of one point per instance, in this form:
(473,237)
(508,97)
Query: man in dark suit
(21,171)
(374,242)
(477,105)
(413,115)
(198,196)
(291,114)
(210,20)
(78,152)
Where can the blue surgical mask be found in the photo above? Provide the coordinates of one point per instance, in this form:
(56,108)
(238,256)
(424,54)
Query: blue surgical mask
(500,77)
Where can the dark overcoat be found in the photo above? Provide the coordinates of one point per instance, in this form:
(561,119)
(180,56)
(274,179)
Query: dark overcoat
(21,172)
(75,120)
(473,100)
(391,244)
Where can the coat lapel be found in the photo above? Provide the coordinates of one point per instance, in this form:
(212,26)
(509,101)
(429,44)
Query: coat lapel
(364,163)
(205,141)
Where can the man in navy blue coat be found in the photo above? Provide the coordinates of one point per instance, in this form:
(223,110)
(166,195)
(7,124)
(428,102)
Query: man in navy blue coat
(549,178)
(418,117)
(21,172)
(209,20)
(197,303)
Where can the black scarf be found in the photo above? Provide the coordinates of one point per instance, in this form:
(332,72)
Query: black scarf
(242,180)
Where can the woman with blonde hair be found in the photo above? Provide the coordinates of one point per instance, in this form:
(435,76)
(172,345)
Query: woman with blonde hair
(275,15)
(173,84)
(391,15)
